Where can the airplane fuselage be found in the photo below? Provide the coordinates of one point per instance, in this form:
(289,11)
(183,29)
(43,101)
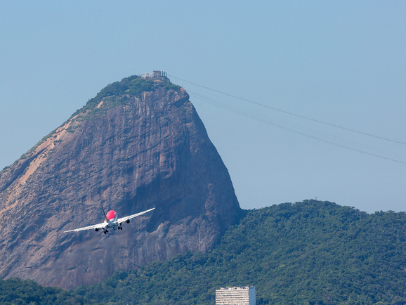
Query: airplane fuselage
(111,222)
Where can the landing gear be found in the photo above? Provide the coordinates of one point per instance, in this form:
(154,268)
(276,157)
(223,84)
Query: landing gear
(105,231)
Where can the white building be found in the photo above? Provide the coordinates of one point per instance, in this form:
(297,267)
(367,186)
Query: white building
(236,296)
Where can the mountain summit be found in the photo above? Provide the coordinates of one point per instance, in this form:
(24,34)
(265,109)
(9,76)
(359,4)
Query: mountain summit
(139,144)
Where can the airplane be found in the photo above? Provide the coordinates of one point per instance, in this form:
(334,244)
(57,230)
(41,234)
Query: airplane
(111,221)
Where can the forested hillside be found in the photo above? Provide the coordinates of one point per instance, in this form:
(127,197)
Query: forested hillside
(310,252)
(16,291)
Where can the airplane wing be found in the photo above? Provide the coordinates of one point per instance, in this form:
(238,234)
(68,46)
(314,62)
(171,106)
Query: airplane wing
(121,220)
(98,226)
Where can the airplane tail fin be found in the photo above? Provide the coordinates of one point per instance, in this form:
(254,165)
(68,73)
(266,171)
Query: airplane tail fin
(105,216)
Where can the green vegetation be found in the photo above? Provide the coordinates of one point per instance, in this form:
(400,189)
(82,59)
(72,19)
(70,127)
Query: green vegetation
(305,253)
(16,291)
(310,252)
(170,86)
(116,92)
(133,85)
(70,129)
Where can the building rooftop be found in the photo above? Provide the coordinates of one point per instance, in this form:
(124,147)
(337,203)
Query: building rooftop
(242,287)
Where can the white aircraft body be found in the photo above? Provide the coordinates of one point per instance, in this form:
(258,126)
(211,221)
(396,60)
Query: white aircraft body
(111,221)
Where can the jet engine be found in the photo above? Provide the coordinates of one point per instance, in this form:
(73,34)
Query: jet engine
(127,221)
(97,229)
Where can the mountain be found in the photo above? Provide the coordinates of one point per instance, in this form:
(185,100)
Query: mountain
(309,252)
(138,144)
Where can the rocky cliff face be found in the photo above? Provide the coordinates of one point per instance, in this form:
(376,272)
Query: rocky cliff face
(138,144)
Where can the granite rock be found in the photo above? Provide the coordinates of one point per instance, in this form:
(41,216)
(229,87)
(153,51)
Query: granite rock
(129,151)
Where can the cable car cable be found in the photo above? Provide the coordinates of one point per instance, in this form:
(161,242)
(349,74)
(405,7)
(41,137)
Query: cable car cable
(294,114)
(296,131)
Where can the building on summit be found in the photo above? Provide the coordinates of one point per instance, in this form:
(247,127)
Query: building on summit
(158,74)
(236,296)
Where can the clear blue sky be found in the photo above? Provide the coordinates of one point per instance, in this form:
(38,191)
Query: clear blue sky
(342,62)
